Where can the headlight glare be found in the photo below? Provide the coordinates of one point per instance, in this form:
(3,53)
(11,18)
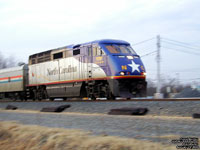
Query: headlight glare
(129,57)
(122,73)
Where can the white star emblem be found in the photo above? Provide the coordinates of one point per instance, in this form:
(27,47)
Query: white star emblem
(134,66)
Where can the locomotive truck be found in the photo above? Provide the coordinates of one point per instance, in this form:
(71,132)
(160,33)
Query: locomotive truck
(103,68)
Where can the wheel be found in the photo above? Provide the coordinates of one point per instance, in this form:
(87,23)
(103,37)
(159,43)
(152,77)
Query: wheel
(64,98)
(51,99)
(93,97)
(109,94)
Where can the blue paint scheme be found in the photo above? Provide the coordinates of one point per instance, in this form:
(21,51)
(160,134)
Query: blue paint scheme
(116,64)
(114,61)
(3,81)
(103,41)
(112,65)
(110,41)
(18,80)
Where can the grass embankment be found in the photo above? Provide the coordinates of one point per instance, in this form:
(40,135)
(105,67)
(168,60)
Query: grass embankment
(14,136)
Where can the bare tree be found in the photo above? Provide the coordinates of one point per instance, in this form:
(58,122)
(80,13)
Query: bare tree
(169,85)
(7,62)
(151,88)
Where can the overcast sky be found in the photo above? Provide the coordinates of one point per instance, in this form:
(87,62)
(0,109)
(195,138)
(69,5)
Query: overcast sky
(28,27)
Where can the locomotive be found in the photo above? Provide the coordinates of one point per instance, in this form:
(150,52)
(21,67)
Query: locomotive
(103,68)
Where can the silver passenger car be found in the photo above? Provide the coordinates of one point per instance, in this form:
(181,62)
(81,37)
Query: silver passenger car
(13,80)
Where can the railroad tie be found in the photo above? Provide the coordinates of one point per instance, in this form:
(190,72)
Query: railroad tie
(196,115)
(55,109)
(128,111)
(11,107)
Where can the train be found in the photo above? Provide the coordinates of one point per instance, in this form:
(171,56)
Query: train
(104,68)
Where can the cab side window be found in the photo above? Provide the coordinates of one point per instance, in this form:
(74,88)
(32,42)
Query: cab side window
(76,52)
(97,51)
(89,51)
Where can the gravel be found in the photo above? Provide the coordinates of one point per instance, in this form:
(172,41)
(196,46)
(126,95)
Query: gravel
(144,128)
(166,108)
(96,121)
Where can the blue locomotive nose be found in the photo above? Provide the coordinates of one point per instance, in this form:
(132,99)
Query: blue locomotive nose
(124,60)
(129,65)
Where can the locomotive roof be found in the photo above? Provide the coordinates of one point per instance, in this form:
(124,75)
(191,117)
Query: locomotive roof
(102,41)
(107,41)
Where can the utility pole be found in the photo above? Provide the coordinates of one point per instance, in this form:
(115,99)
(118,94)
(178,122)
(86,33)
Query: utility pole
(177,78)
(158,64)
(158,94)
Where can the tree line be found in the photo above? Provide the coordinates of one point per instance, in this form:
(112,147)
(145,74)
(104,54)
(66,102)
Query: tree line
(169,86)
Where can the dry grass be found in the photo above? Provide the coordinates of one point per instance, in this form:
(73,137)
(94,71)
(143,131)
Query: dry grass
(14,136)
(168,136)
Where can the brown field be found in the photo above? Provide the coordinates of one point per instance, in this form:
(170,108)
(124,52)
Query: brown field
(15,136)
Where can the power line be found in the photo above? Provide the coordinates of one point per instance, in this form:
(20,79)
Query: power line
(143,41)
(190,79)
(183,43)
(188,47)
(182,51)
(187,70)
(149,54)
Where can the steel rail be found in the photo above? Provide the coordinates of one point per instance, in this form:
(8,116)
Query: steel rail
(99,100)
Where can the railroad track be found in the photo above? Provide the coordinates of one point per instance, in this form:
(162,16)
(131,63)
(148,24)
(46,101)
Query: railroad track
(164,107)
(103,100)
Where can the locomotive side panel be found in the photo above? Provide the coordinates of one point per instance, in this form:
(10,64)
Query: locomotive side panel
(43,73)
(64,70)
(63,77)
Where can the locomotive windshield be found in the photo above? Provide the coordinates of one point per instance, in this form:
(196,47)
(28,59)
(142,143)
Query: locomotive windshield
(119,48)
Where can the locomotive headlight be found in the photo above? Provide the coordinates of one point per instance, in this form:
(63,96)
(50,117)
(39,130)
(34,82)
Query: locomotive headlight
(144,73)
(129,57)
(122,73)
